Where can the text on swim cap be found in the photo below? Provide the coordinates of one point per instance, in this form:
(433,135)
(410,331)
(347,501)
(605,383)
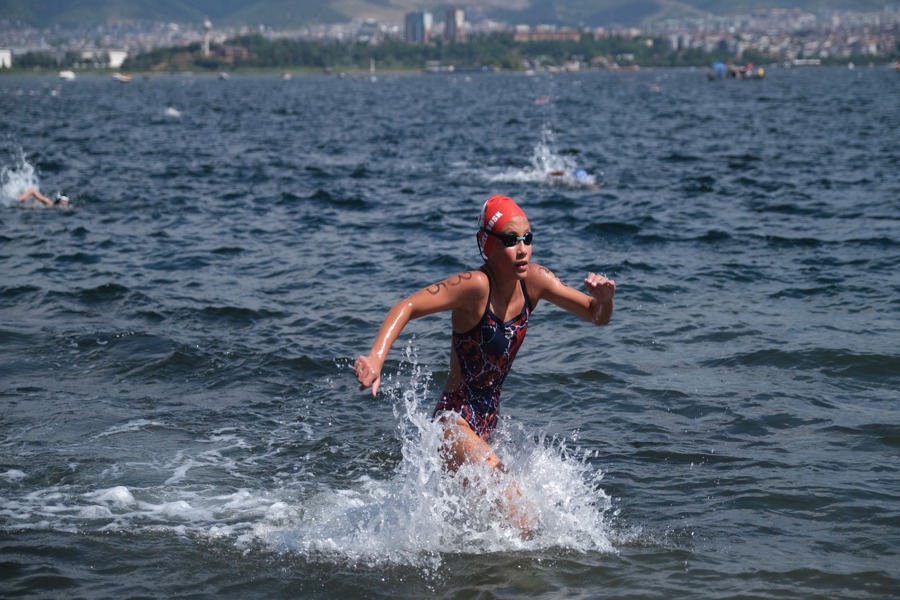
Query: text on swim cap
(493,220)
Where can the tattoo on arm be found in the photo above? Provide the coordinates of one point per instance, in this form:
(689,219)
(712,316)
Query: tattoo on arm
(548,272)
(435,289)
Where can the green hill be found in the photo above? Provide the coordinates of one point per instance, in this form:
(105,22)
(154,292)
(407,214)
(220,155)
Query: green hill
(281,14)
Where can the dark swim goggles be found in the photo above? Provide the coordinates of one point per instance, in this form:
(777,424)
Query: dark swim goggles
(510,239)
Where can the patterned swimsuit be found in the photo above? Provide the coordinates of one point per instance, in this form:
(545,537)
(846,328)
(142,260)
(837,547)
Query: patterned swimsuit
(485,354)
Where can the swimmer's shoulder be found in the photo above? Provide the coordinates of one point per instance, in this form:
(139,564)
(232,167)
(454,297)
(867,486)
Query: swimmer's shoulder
(472,281)
(538,273)
(468,287)
(470,277)
(539,279)
(464,283)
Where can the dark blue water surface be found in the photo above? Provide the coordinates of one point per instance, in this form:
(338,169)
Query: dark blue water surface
(179,416)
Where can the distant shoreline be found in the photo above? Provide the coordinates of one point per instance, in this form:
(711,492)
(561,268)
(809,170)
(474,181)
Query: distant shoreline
(357,72)
(293,72)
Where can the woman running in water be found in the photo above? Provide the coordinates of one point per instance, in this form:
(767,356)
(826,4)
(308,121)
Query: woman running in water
(490,308)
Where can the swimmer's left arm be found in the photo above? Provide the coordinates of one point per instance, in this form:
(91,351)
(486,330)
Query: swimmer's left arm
(33,193)
(602,290)
(596,306)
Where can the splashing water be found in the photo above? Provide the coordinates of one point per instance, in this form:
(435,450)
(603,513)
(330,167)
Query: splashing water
(422,512)
(548,167)
(545,158)
(16,179)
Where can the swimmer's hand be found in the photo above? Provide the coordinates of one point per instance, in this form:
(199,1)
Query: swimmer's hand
(368,373)
(602,289)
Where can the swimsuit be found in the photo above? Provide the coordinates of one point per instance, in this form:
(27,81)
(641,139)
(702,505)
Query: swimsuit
(485,354)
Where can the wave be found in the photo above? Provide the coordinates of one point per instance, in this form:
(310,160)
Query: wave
(887,434)
(833,362)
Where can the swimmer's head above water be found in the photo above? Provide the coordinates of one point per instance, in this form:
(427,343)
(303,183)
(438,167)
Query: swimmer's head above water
(495,213)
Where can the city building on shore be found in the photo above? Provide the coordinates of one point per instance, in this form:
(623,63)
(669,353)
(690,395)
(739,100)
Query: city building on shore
(455,26)
(545,33)
(107,58)
(417,27)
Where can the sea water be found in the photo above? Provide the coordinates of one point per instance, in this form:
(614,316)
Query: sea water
(180,415)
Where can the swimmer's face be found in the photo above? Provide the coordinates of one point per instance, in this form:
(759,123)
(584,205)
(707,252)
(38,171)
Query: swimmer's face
(513,259)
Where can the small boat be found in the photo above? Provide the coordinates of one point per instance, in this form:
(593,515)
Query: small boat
(722,70)
(67,75)
(224,76)
(122,77)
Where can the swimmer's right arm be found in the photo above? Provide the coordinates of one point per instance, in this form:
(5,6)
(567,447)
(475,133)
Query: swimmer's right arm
(448,294)
(368,368)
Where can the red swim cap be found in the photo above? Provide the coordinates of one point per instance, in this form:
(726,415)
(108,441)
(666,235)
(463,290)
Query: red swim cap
(496,212)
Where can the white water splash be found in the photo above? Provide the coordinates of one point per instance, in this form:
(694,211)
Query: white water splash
(12,475)
(16,178)
(548,168)
(423,513)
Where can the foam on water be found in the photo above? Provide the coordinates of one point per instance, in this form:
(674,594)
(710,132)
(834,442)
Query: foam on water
(131,426)
(13,475)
